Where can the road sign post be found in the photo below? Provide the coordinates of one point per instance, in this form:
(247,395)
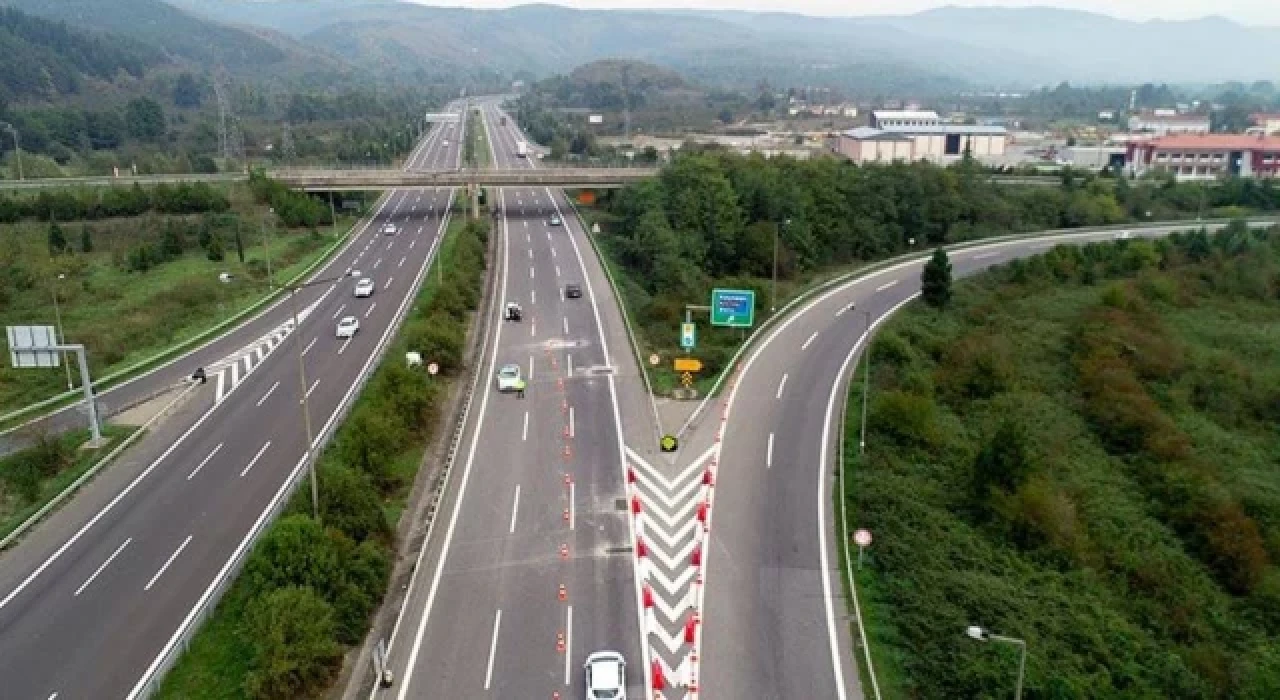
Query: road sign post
(688,335)
(862,538)
(733,308)
(37,346)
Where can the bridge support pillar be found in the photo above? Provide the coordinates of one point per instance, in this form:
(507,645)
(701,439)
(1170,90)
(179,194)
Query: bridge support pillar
(475,201)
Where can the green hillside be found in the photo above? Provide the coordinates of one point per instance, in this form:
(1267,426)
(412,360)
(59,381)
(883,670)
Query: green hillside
(1081,451)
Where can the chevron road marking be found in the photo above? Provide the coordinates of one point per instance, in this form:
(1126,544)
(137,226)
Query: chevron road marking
(237,366)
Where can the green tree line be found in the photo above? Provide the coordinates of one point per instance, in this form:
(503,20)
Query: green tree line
(1078,450)
(112,202)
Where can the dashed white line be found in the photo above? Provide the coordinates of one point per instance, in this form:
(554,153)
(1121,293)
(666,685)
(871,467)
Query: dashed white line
(568,372)
(810,340)
(376,263)
(768,456)
(531,368)
(572,511)
(401,263)
(531,272)
(268,394)
(255,458)
(493,648)
(344,345)
(553,252)
(557,270)
(515,509)
(372,306)
(531,253)
(339,311)
(313,388)
(308,348)
(568,642)
(164,568)
(533,297)
(204,462)
(524,434)
(781,384)
(390,280)
(571,430)
(533,327)
(414,240)
(883,287)
(105,564)
(566,325)
(390,244)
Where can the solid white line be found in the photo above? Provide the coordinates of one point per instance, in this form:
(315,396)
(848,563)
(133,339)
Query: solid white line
(810,340)
(313,388)
(401,263)
(571,430)
(883,287)
(105,564)
(983,256)
(308,348)
(255,458)
(344,345)
(339,311)
(768,459)
(164,568)
(235,373)
(568,641)
(533,327)
(515,508)
(572,512)
(372,306)
(204,462)
(566,325)
(531,368)
(524,435)
(781,384)
(268,394)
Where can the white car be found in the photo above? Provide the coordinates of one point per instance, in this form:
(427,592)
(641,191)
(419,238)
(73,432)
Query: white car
(348,327)
(446,143)
(606,676)
(364,288)
(509,378)
(555,220)
(1124,235)
(389,230)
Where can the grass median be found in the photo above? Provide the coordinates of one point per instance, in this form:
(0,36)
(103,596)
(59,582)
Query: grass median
(308,589)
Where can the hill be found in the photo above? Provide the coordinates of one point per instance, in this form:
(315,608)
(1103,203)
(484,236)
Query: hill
(1080,452)
(46,60)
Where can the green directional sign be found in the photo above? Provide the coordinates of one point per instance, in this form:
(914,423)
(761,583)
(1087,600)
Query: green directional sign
(735,308)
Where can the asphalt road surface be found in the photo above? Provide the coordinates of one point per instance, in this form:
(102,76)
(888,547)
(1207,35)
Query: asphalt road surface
(529,565)
(776,625)
(92,596)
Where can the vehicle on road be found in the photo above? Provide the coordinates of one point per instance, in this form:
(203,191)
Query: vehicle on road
(572,291)
(522,149)
(503,121)
(389,230)
(555,220)
(606,676)
(1124,235)
(513,312)
(364,288)
(348,327)
(509,378)
(446,143)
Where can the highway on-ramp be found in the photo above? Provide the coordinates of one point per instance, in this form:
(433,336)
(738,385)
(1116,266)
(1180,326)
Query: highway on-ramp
(93,599)
(528,566)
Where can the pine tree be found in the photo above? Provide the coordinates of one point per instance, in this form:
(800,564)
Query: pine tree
(57,239)
(935,281)
(86,239)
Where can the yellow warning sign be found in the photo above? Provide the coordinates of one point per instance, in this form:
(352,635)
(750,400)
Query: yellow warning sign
(687,380)
(687,364)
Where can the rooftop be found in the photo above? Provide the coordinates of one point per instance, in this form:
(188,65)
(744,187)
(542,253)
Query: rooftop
(904,114)
(1221,142)
(866,133)
(970,129)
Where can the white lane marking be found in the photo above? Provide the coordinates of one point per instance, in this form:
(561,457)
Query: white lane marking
(533,327)
(411,242)
(566,325)
(531,253)
(810,340)
(390,281)
(268,394)
(493,649)
(531,272)
(376,263)
(515,509)
(568,641)
(526,224)
(557,270)
(883,287)
(235,373)
(372,306)
(553,251)
(308,348)
(561,293)
(105,564)
(568,372)
(255,458)
(768,457)
(531,368)
(571,430)
(344,345)
(983,256)
(841,311)
(572,512)
(781,385)
(204,462)
(167,564)
(339,311)
(401,263)
(524,434)
(222,376)
(53,697)
(533,297)
(390,244)
(313,388)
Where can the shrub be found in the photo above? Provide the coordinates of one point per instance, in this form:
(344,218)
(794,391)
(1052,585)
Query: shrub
(294,652)
(349,503)
(908,419)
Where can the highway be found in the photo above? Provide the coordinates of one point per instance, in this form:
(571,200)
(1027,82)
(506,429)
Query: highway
(91,600)
(776,625)
(528,567)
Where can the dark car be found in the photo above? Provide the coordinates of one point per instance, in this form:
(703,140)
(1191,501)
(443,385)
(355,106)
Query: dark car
(572,291)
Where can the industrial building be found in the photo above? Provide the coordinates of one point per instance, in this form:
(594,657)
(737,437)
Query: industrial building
(1206,157)
(903,119)
(1167,122)
(939,143)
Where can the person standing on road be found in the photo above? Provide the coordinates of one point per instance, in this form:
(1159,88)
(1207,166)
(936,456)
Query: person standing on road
(520,385)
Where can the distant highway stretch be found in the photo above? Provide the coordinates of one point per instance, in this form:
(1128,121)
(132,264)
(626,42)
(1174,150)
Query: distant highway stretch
(93,600)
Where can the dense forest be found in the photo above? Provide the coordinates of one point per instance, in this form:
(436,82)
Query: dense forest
(710,219)
(1080,451)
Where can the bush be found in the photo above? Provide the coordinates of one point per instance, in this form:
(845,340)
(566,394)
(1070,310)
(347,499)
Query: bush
(294,652)
(349,503)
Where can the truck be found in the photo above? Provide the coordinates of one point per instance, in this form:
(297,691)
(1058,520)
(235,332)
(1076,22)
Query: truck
(522,149)
(503,120)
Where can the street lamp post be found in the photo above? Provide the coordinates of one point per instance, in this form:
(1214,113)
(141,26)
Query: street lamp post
(17,147)
(62,337)
(773,299)
(983,635)
(866,385)
(266,247)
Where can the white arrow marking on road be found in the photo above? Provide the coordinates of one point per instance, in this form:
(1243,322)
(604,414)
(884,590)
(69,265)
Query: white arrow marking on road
(105,564)
(883,287)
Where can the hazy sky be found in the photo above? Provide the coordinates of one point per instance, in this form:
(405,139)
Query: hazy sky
(1265,12)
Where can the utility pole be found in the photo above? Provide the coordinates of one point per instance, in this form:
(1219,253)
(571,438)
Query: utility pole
(62,337)
(866,385)
(266,247)
(773,298)
(17,147)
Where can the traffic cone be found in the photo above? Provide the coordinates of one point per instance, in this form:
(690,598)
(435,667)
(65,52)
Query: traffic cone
(702,511)
(564,594)
(635,505)
(647,596)
(641,550)
(566,515)
(566,431)
(564,551)
(707,478)
(659,682)
(568,478)
(690,629)
(631,475)
(695,557)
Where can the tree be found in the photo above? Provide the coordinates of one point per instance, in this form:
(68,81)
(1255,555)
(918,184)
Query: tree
(57,239)
(935,281)
(1004,462)
(239,243)
(215,252)
(144,118)
(294,652)
(86,239)
(186,92)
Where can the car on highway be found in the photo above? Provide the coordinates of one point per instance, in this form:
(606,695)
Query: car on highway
(555,220)
(509,378)
(389,230)
(606,676)
(364,288)
(348,327)
(572,291)
(1124,235)
(446,143)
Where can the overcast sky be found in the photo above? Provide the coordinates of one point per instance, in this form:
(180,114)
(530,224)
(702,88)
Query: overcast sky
(1266,12)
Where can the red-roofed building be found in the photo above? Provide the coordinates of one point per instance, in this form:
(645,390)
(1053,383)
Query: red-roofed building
(1206,157)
